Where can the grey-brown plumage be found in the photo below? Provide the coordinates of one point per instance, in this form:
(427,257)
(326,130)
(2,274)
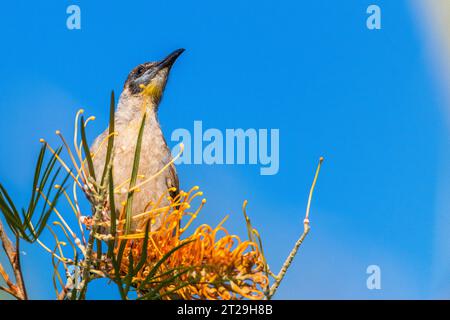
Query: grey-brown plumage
(142,93)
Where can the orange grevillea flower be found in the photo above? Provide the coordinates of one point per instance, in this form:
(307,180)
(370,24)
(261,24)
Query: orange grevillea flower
(163,261)
(210,263)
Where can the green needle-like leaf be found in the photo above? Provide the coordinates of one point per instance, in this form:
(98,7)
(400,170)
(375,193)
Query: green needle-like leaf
(112,210)
(143,258)
(111,137)
(154,293)
(134,173)
(46,212)
(86,150)
(9,211)
(155,268)
(123,244)
(21,223)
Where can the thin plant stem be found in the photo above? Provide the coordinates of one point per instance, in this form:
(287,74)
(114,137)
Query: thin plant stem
(299,242)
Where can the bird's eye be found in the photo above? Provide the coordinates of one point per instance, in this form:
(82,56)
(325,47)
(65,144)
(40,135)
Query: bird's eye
(139,71)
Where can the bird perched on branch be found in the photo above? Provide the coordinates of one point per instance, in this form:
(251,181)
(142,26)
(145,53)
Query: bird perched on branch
(141,95)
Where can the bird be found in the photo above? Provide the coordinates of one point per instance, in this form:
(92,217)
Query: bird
(141,94)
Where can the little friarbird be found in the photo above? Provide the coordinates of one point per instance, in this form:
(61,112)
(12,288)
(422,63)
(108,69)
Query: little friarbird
(141,95)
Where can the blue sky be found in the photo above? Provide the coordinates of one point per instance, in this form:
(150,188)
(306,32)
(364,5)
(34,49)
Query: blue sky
(365,100)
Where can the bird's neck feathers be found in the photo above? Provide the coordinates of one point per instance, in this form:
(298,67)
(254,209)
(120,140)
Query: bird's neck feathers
(132,108)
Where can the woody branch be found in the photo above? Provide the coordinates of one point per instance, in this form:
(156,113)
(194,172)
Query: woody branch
(12,252)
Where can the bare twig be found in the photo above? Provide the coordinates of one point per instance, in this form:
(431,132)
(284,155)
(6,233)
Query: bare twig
(18,289)
(5,277)
(299,242)
(12,288)
(18,271)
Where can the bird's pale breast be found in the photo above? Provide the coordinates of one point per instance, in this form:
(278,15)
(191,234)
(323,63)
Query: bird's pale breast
(155,154)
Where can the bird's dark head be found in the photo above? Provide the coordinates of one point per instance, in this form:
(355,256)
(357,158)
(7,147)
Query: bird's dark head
(149,79)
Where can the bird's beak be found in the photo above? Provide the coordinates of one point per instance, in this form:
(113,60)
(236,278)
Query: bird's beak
(166,63)
(169,60)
